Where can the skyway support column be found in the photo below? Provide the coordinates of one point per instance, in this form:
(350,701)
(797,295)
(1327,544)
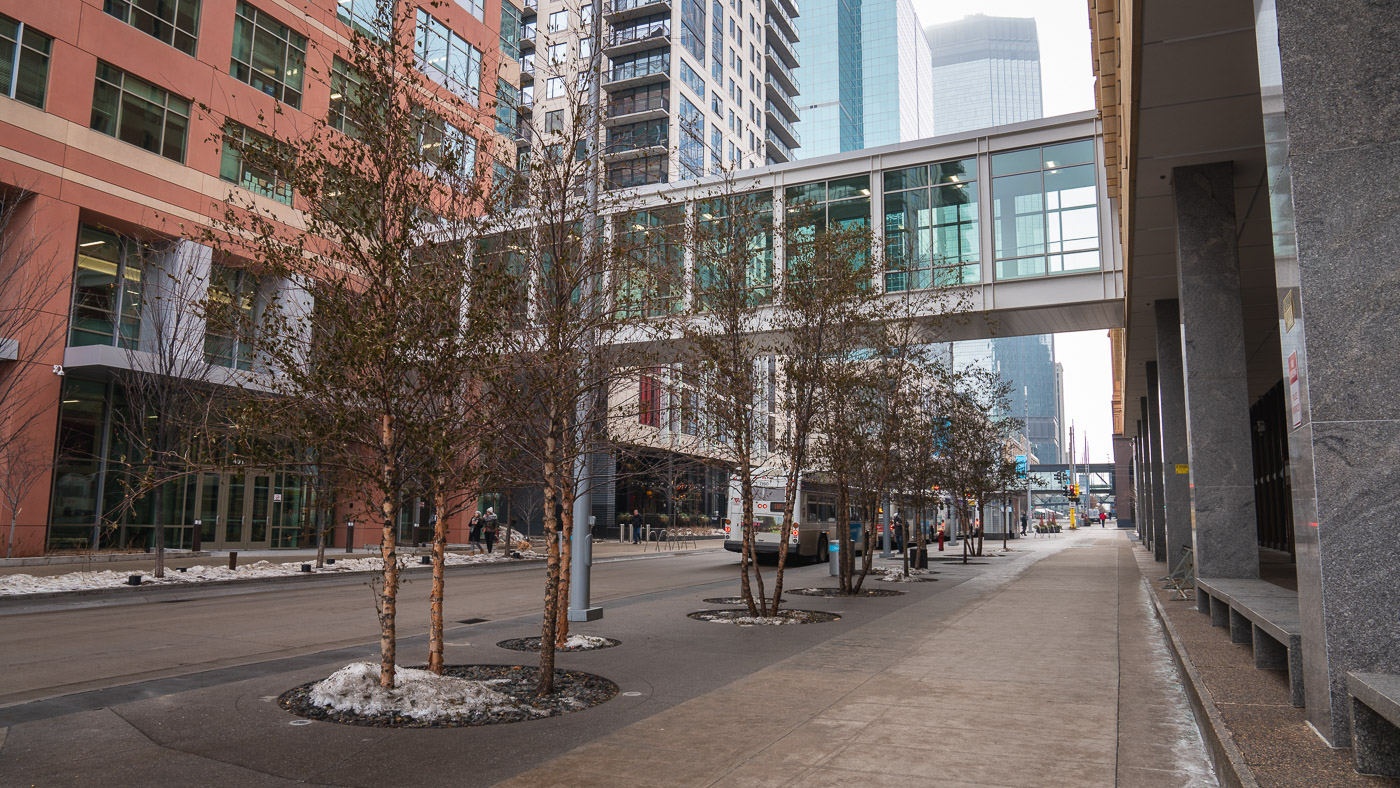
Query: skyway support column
(1214,359)
(1154,467)
(1176,458)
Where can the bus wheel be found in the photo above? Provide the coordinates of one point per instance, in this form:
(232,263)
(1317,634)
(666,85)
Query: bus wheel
(821,551)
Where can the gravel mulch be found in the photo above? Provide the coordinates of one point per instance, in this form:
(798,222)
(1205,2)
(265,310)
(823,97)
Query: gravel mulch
(573,691)
(835,593)
(742,618)
(533,644)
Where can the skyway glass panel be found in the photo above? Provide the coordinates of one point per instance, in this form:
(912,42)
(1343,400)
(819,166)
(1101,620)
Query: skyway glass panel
(931,226)
(1044,210)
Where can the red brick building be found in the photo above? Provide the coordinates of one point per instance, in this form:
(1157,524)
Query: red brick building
(108,114)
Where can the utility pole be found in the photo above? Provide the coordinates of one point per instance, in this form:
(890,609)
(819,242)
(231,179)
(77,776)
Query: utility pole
(580,592)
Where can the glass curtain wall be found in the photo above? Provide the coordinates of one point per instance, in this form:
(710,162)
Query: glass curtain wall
(1044,210)
(726,223)
(931,227)
(651,246)
(107,290)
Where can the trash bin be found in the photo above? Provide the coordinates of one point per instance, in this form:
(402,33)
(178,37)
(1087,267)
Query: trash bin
(918,559)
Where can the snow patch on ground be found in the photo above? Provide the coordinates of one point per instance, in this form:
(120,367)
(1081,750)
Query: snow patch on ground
(896,575)
(586,642)
(419,694)
(86,581)
(751,621)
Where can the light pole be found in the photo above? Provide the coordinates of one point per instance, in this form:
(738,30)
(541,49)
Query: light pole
(1026,431)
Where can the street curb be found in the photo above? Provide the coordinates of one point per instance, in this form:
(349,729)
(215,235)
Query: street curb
(101,558)
(143,593)
(1225,755)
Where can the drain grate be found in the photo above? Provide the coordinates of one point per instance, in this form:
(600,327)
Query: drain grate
(472,621)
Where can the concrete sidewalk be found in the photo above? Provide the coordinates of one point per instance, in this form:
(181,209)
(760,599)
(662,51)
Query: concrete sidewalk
(1042,668)
(1052,674)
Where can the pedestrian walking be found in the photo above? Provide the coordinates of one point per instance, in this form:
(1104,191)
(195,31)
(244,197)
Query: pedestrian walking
(636,526)
(1103,518)
(474,536)
(489,527)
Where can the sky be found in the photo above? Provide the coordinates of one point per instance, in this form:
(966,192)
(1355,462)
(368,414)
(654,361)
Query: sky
(1067,85)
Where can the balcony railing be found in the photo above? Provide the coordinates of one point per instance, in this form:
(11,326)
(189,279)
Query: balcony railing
(785,99)
(779,145)
(641,68)
(631,105)
(623,142)
(774,114)
(629,8)
(658,31)
(778,61)
(785,21)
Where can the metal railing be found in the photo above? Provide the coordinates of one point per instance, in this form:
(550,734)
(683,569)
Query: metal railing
(776,114)
(631,35)
(632,104)
(779,144)
(782,66)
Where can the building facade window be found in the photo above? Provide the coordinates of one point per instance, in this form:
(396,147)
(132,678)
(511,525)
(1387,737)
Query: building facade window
(641,65)
(236,300)
(510,30)
(135,111)
(267,55)
(176,22)
(693,28)
(448,59)
(692,80)
(1044,210)
(108,290)
(931,227)
(558,53)
(637,172)
(363,16)
(441,142)
(554,87)
(507,107)
(476,9)
(649,401)
(650,279)
(692,152)
(585,47)
(24,62)
(249,160)
(345,95)
(559,20)
(640,99)
(724,223)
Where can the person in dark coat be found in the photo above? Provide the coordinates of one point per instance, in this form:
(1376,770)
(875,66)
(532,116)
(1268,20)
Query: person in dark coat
(475,536)
(490,526)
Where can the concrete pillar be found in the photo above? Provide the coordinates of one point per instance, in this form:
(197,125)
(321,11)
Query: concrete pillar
(1154,466)
(1148,512)
(1139,485)
(1176,483)
(1122,480)
(1217,394)
(1329,79)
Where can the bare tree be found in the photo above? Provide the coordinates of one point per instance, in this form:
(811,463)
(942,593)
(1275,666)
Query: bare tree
(374,343)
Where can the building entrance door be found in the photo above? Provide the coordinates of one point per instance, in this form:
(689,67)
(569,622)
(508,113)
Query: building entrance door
(234,509)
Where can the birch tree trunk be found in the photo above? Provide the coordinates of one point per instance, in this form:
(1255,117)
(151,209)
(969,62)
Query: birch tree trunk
(388,602)
(545,684)
(435,596)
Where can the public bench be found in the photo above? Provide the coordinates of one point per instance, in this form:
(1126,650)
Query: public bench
(1375,722)
(1260,614)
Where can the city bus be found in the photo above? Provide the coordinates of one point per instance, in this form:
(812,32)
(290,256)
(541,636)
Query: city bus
(812,527)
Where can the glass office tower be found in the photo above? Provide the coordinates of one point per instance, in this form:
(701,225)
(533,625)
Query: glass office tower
(985,72)
(866,75)
(1025,363)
